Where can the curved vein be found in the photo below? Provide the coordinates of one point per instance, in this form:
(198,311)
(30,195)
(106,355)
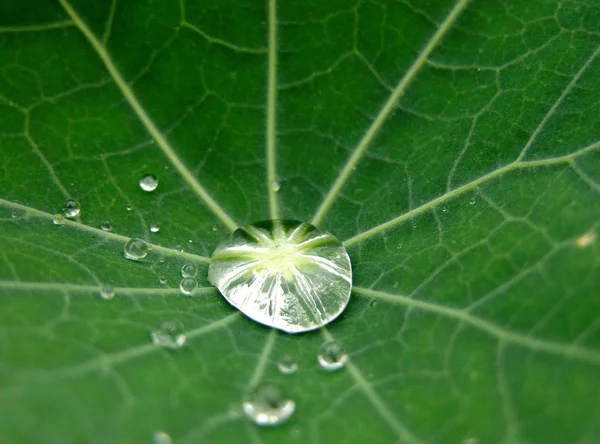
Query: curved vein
(387,109)
(541,345)
(36,28)
(516,165)
(101,233)
(263,359)
(400,429)
(145,119)
(271,137)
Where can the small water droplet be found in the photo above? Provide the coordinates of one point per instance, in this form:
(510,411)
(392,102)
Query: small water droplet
(585,240)
(128,208)
(189,270)
(276,186)
(179,248)
(399,246)
(107,291)
(331,356)
(58,219)
(161,438)
(154,228)
(188,286)
(14,214)
(190,241)
(71,208)
(148,183)
(473,201)
(471,441)
(444,209)
(287,365)
(169,334)
(415,225)
(214,228)
(136,249)
(162,279)
(266,406)
(106,225)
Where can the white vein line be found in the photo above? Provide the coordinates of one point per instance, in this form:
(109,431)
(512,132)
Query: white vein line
(101,233)
(263,359)
(109,23)
(464,188)
(36,28)
(542,345)
(387,109)
(142,115)
(400,429)
(512,422)
(57,286)
(552,110)
(271,136)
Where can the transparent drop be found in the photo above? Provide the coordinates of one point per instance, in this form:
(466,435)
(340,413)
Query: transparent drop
(285,274)
(399,246)
(58,219)
(107,292)
(106,225)
(148,183)
(266,406)
(189,270)
(128,208)
(331,356)
(444,209)
(162,279)
(276,186)
(169,334)
(214,228)
(473,201)
(154,228)
(136,249)
(71,208)
(287,365)
(188,286)
(161,438)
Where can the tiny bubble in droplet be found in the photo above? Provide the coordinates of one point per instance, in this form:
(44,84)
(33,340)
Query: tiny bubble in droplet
(154,228)
(267,406)
(287,365)
(169,334)
(148,183)
(106,226)
(161,438)
(189,270)
(107,291)
(58,219)
(136,249)
(275,186)
(331,356)
(71,208)
(188,286)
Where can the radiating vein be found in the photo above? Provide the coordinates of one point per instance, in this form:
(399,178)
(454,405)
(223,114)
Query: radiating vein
(516,165)
(36,28)
(541,345)
(263,359)
(387,110)
(101,233)
(400,429)
(145,119)
(271,136)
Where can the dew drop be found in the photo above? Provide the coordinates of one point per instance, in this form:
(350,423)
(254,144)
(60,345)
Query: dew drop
(189,270)
(148,183)
(214,228)
(106,225)
(154,228)
(107,291)
(473,201)
(267,406)
(585,240)
(399,246)
(276,186)
(128,208)
(71,208)
(331,356)
(287,365)
(188,286)
(58,219)
(162,279)
(136,249)
(169,334)
(444,210)
(285,274)
(161,438)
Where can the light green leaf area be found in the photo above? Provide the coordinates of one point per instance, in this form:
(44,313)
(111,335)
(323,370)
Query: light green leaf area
(453,146)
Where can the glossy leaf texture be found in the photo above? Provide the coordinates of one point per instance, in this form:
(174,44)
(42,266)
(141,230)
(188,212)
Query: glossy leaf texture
(453,146)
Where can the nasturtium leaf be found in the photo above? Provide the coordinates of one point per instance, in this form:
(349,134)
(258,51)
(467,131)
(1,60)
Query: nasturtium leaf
(452,145)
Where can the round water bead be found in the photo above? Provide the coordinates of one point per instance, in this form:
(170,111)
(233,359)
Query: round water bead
(136,249)
(189,270)
(106,225)
(188,285)
(148,182)
(285,274)
(331,356)
(58,219)
(71,208)
(107,291)
(169,334)
(266,406)
(154,228)
(287,365)
(161,438)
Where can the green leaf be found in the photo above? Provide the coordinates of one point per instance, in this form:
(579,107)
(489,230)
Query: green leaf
(453,146)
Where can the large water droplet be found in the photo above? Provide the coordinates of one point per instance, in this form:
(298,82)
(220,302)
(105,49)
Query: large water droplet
(189,270)
(169,334)
(285,274)
(188,286)
(136,249)
(287,365)
(276,186)
(71,208)
(266,406)
(58,219)
(161,438)
(106,225)
(154,228)
(331,356)
(148,183)
(107,291)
